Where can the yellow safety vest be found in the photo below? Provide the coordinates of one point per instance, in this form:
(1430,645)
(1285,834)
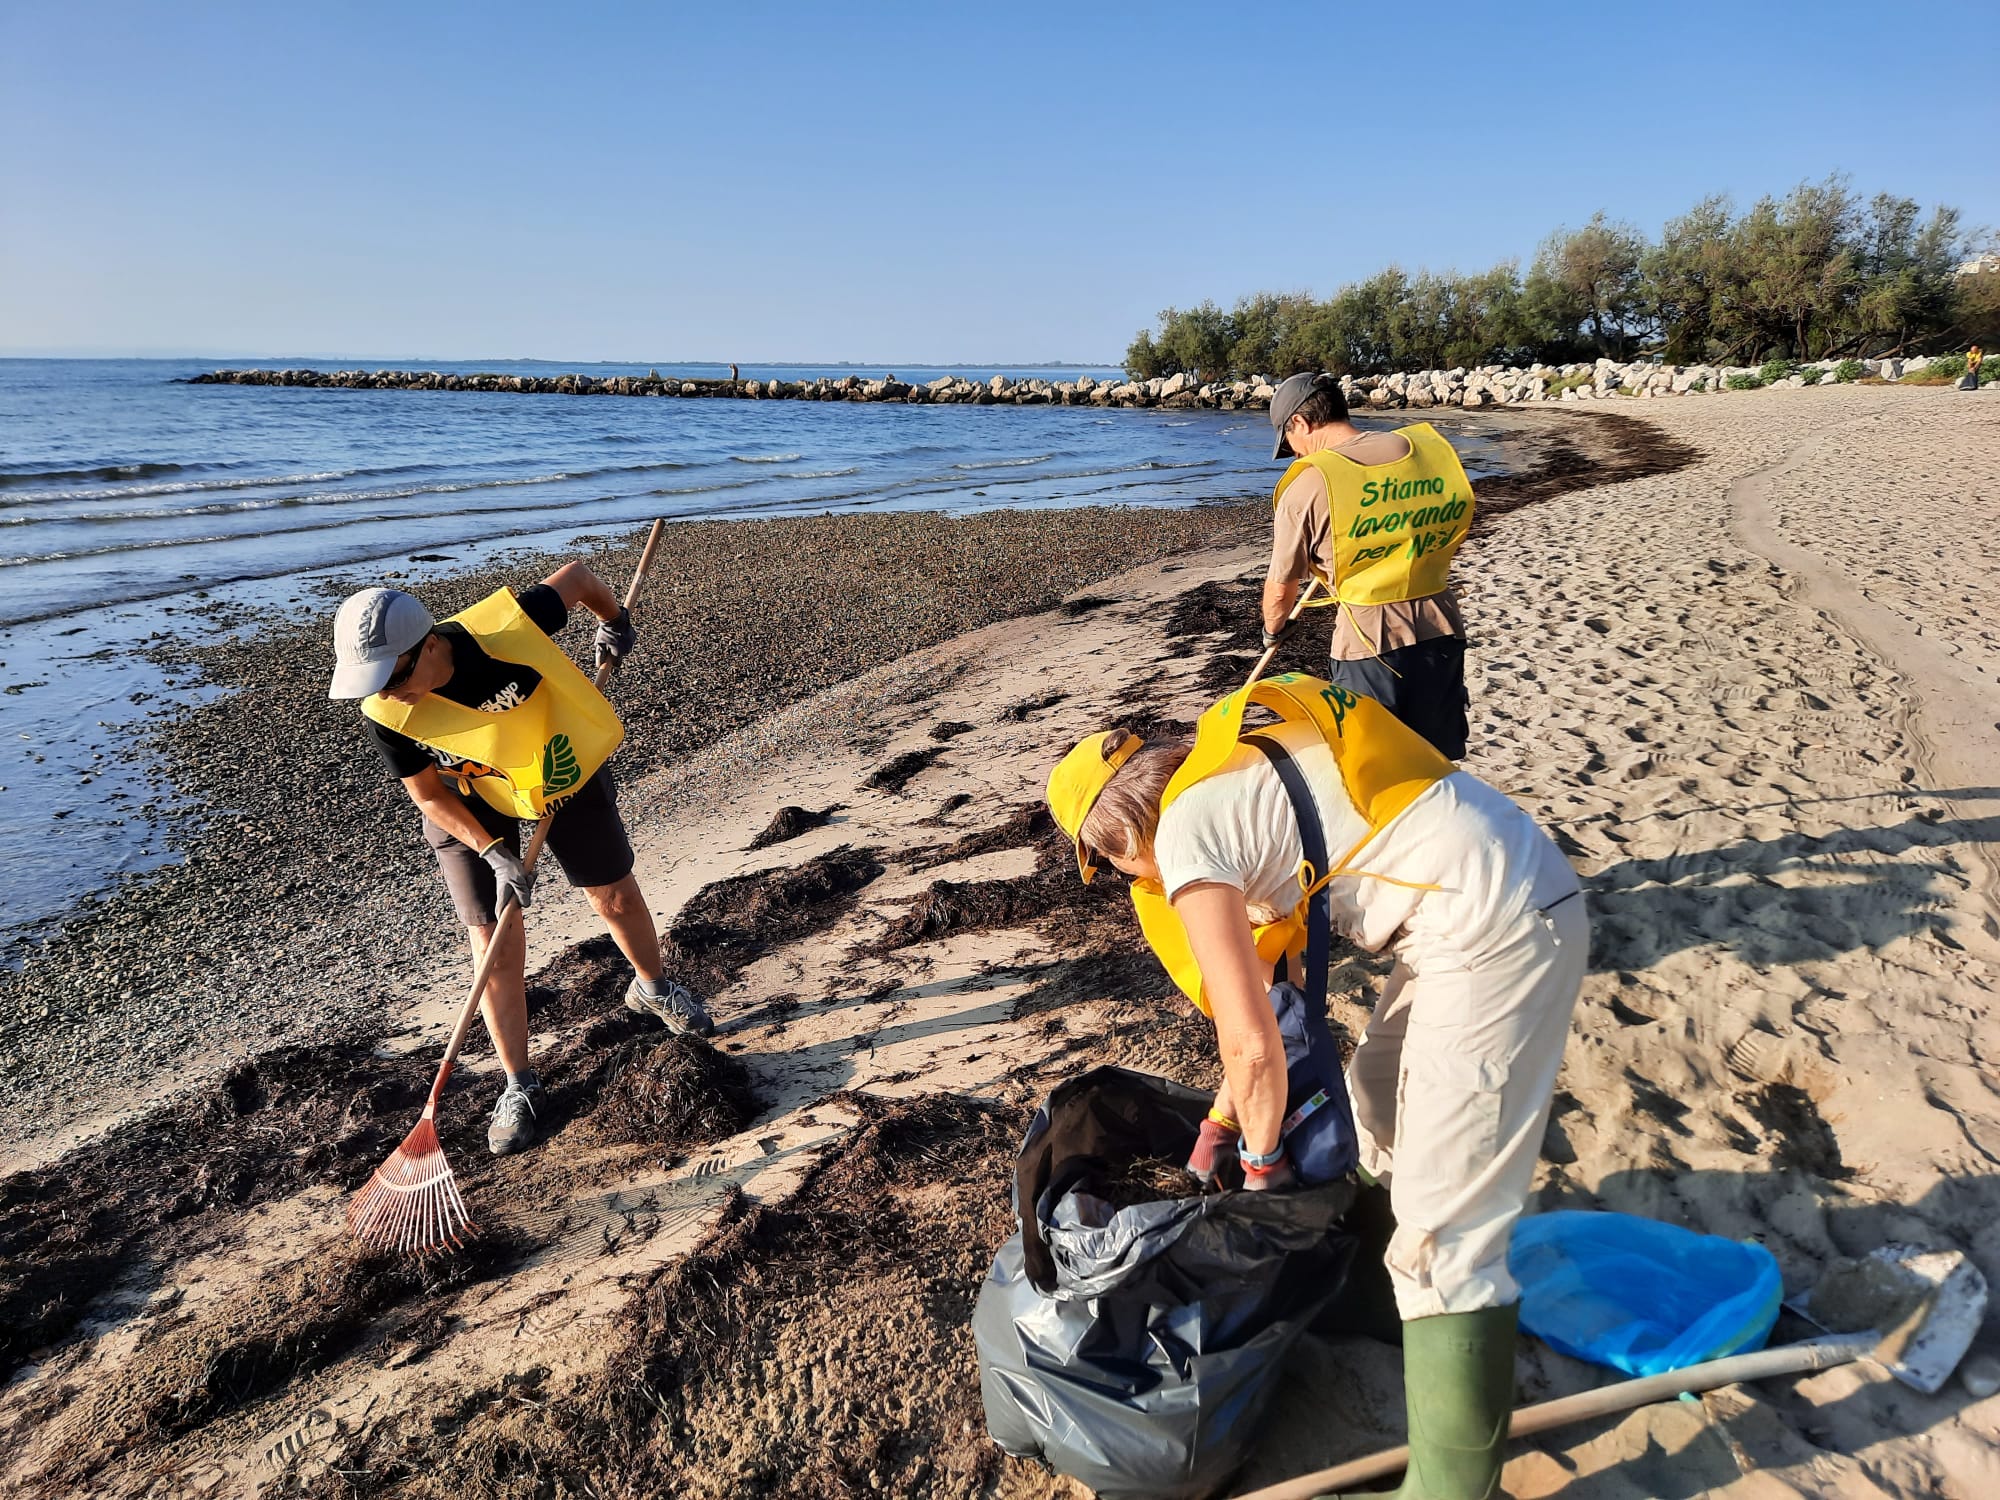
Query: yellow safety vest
(1396,526)
(529,759)
(1383,767)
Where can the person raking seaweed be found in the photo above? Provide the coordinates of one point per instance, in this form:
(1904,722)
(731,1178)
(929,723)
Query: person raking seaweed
(1377,517)
(486,721)
(1246,850)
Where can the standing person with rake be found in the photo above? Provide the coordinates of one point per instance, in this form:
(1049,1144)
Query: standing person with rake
(486,721)
(1377,518)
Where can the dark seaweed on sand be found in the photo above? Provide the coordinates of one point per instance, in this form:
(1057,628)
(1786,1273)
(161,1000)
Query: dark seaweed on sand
(895,775)
(800,1352)
(1027,708)
(731,923)
(675,1093)
(259,1341)
(953,906)
(789,822)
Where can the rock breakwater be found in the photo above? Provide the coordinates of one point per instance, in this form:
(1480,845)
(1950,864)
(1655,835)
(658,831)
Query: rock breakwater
(1487,385)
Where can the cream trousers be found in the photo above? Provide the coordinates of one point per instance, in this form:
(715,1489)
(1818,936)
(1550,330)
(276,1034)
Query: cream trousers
(1451,1085)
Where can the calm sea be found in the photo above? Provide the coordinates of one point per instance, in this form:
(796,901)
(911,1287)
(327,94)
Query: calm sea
(130,505)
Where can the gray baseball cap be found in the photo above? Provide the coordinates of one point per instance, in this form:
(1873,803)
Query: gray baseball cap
(1285,402)
(370,631)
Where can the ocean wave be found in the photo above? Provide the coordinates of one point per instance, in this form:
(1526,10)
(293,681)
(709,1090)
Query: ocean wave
(703,489)
(323,497)
(1007,463)
(106,471)
(338,522)
(766,458)
(819,474)
(195,486)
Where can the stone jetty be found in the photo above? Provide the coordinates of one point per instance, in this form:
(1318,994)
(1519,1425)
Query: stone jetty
(1488,385)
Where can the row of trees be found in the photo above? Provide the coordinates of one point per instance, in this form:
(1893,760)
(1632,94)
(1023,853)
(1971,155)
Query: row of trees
(1818,274)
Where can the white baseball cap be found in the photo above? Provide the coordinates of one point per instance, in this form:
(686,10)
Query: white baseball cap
(370,631)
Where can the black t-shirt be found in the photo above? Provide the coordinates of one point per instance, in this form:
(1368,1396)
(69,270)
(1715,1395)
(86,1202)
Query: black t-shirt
(477,681)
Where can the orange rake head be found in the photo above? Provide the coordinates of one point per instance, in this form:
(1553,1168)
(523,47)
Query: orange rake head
(411,1205)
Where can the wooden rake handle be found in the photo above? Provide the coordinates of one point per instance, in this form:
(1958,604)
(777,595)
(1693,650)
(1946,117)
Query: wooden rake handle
(1305,597)
(1786,1359)
(511,913)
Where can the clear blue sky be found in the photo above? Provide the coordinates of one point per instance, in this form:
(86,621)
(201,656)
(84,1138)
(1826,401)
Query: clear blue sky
(889,182)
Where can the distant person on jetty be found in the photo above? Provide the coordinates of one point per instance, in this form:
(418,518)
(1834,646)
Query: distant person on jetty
(1974,358)
(1377,517)
(449,705)
(1248,852)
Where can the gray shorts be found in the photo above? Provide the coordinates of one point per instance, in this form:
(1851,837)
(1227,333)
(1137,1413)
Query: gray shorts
(587,838)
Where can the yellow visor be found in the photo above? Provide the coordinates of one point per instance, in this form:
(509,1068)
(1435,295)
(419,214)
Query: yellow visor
(1074,786)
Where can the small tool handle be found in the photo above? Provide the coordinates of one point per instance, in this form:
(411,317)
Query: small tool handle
(1305,596)
(1786,1359)
(512,911)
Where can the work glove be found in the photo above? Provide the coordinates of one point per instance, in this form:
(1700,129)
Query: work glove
(1272,637)
(1214,1148)
(616,637)
(516,882)
(1276,1178)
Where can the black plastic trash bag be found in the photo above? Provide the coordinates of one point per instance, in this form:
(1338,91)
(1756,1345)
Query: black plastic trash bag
(1137,1349)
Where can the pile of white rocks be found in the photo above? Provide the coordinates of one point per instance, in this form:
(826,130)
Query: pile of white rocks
(1488,385)
(1507,385)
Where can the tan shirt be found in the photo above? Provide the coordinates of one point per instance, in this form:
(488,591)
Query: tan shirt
(1302,541)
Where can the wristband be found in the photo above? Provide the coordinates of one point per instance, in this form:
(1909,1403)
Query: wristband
(1224,1121)
(497,839)
(1252,1162)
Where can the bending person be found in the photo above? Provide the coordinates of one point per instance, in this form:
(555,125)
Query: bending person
(1377,516)
(1452,1079)
(486,721)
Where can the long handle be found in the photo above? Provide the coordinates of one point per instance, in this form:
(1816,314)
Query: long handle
(1786,1359)
(1299,609)
(512,911)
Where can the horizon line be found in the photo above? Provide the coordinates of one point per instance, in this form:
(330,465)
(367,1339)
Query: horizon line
(528,359)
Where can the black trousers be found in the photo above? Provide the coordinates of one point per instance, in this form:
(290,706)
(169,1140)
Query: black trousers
(1423,685)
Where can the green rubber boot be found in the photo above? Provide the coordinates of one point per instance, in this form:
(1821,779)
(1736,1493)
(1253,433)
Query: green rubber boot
(1458,1378)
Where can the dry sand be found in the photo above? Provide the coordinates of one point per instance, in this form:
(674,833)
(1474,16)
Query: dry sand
(1755,698)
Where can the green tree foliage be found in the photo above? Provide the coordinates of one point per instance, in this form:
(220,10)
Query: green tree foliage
(1693,281)
(1816,274)
(1592,278)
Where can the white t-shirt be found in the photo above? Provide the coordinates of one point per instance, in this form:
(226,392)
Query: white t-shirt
(1488,859)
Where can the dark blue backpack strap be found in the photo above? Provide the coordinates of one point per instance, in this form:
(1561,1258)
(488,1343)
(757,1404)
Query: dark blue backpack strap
(1319,920)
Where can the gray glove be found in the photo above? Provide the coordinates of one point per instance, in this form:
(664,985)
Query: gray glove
(1272,637)
(616,637)
(515,880)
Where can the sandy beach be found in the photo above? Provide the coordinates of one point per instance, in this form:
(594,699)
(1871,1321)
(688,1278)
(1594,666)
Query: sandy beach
(1742,657)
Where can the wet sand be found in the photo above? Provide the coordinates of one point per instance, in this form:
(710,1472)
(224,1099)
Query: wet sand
(1786,1033)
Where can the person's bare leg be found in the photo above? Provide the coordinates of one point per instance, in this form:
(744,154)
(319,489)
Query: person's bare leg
(505,1003)
(623,907)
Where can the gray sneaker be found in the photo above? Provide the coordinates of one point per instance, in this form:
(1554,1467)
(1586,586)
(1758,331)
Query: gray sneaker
(671,1004)
(514,1127)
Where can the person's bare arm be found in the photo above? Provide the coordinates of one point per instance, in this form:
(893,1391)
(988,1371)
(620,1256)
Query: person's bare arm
(1280,595)
(579,586)
(1246,1030)
(438,803)
(1292,538)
